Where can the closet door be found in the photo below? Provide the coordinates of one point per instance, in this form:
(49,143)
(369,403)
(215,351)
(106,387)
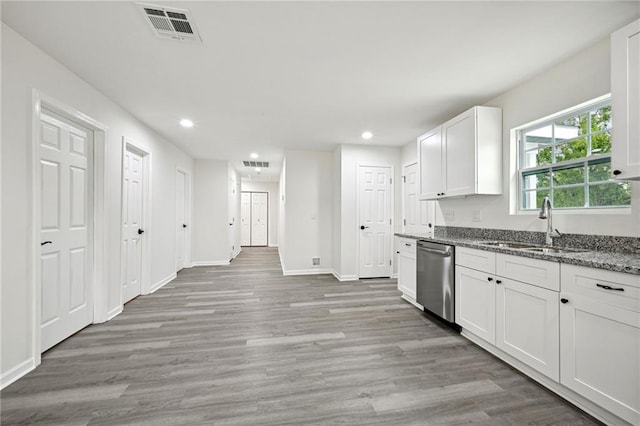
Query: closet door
(259,218)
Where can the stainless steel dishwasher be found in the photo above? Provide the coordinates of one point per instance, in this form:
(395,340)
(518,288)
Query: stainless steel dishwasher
(435,278)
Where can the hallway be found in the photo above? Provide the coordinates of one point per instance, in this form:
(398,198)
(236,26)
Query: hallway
(242,344)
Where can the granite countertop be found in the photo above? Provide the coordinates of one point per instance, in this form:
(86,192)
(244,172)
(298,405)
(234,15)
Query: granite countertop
(618,262)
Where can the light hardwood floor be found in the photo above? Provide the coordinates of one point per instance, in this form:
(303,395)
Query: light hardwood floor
(243,345)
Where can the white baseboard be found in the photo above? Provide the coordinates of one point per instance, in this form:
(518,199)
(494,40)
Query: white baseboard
(210,263)
(344,277)
(236,253)
(566,393)
(114,312)
(394,275)
(273,245)
(16,372)
(307,271)
(162,283)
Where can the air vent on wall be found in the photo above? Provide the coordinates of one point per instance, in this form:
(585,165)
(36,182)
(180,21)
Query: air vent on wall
(171,23)
(263,164)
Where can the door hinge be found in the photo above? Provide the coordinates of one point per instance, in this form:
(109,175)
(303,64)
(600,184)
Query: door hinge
(390,180)
(404,179)
(389,221)
(389,262)
(404,222)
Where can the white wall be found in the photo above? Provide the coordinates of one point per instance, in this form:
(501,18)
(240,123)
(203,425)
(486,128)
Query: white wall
(336,251)
(273,188)
(308,210)
(234,211)
(25,67)
(282,212)
(350,157)
(576,80)
(211,244)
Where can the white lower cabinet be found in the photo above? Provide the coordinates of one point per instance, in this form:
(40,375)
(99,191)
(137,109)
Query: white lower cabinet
(407,268)
(527,325)
(600,339)
(475,305)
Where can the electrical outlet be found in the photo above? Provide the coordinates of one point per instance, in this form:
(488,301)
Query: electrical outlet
(315,261)
(449,215)
(475,216)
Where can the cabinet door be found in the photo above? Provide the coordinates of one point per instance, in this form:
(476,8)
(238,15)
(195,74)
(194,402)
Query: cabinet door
(599,353)
(407,275)
(431,173)
(459,154)
(625,98)
(528,326)
(476,303)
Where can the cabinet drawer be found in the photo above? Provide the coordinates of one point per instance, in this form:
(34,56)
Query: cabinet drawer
(541,273)
(407,246)
(480,260)
(613,288)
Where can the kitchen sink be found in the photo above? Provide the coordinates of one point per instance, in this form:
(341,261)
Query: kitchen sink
(546,250)
(509,244)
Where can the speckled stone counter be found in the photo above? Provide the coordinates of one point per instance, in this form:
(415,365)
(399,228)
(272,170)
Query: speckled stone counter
(609,260)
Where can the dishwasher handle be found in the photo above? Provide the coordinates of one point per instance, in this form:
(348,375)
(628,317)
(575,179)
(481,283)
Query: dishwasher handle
(446,253)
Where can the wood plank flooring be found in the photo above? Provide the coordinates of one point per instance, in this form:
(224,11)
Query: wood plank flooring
(244,345)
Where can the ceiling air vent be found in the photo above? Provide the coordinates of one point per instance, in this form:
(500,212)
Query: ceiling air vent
(263,164)
(171,23)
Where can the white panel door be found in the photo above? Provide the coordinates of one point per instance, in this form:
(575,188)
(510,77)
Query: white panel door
(528,325)
(430,155)
(132,230)
(475,308)
(460,153)
(245,218)
(181,219)
(418,214)
(375,221)
(259,218)
(66,204)
(599,353)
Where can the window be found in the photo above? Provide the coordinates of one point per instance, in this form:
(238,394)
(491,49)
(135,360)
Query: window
(568,159)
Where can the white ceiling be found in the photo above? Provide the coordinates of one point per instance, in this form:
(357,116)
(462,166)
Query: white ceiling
(270,76)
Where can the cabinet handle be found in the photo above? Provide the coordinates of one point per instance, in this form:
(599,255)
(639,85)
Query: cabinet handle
(489,279)
(498,281)
(46,242)
(606,287)
(397,252)
(563,300)
(617,172)
(407,244)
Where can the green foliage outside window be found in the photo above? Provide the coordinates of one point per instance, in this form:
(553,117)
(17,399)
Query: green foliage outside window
(574,184)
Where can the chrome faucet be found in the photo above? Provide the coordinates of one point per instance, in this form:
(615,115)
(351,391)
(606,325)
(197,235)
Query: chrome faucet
(545,213)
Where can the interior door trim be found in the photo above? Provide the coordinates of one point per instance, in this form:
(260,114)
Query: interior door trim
(100,214)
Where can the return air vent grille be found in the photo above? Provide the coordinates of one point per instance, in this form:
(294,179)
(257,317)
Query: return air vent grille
(176,24)
(263,164)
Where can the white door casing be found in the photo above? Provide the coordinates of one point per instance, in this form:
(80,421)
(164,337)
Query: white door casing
(132,224)
(245,214)
(259,218)
(181,219)
(374,214)
(65,157)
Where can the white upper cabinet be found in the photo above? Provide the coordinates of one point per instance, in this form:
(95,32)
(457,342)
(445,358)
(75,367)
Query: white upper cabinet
(463,156)
(431,157)
(625,102)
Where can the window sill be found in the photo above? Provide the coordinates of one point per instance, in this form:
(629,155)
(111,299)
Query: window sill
(561,212)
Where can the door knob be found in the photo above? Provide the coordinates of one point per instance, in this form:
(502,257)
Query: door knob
(184,226)
(563,300)
(140,231)
(46,242)
(363,227)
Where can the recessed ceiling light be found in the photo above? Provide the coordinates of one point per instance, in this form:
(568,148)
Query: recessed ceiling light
(258,169)
(254,155)
(367,135)
(185,122)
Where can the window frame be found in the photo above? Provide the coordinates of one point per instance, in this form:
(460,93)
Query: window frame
(589,160)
